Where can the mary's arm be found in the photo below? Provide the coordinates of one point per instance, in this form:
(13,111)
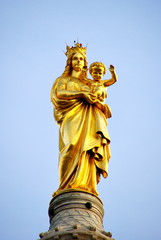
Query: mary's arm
(60,90)
(68,94)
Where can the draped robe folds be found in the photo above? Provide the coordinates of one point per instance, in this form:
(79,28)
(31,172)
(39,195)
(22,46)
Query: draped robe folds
(83,139)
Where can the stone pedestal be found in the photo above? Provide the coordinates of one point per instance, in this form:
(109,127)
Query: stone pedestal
(76,215)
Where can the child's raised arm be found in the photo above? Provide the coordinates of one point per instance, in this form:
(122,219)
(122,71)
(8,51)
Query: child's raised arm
(112,80)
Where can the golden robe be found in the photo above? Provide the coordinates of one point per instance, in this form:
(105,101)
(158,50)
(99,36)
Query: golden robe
(83,140)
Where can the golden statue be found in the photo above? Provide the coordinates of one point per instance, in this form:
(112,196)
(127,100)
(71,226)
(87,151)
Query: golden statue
(81,114)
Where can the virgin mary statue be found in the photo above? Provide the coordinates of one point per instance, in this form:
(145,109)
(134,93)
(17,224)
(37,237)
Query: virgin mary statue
(84,150)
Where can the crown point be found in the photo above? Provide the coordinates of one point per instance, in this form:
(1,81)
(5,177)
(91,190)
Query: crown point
(77,48)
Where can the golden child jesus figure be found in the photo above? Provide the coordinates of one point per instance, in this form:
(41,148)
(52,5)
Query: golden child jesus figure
(84,150)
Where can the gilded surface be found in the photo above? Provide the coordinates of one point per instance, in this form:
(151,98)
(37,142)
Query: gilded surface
(81,114)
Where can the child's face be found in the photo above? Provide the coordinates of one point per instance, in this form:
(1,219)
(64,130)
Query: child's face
(97,73)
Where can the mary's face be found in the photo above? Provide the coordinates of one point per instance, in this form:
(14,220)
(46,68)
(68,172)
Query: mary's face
(77,62)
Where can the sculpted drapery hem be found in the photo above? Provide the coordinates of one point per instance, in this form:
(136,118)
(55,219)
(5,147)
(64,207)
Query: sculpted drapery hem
(83,141)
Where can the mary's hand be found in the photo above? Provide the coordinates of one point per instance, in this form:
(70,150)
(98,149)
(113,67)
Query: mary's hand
(90,97)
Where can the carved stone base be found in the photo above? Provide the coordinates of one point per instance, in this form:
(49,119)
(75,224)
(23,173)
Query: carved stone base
(76,215)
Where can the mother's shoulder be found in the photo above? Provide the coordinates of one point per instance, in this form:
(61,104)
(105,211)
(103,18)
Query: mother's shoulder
(61,79)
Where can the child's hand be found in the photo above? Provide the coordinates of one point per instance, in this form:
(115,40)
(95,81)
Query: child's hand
(112,68)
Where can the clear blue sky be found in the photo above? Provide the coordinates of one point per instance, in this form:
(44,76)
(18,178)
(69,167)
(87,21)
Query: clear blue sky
(126,34)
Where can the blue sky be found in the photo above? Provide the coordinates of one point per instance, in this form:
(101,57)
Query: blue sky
(126,34)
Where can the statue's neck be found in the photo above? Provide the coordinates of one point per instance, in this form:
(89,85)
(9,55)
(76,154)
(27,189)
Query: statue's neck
(75,74)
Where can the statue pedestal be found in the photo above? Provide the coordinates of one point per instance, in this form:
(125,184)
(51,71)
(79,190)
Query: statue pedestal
(76,215)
